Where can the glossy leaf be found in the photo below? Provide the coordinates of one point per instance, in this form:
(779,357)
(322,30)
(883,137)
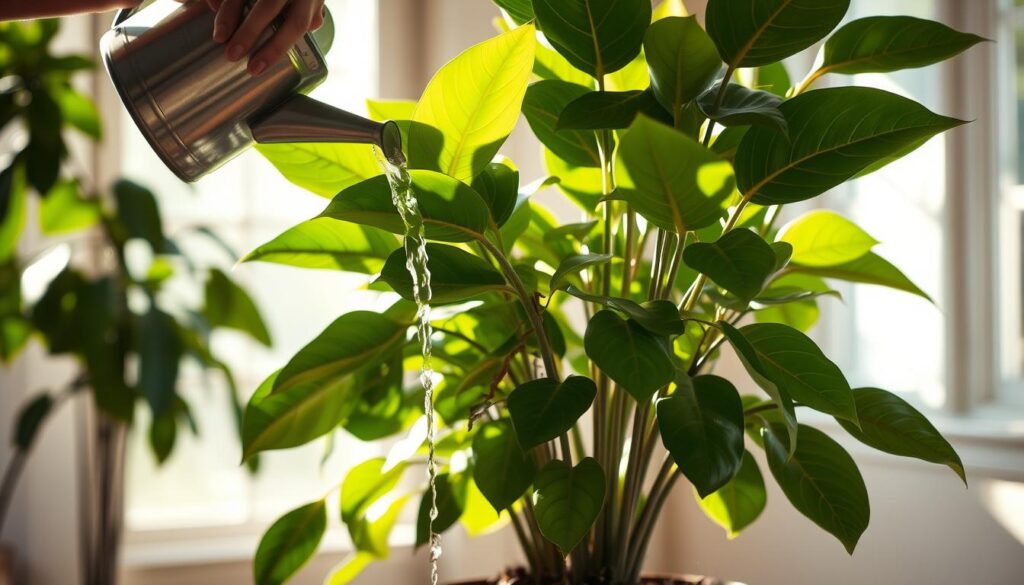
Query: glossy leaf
(521,11)
(452,211)
(888,423)
(568,500)
(230,306)
(825,238)
(607,110)
(633,357)
(458,137)
(323,243)
(543,409)
(740,262)
(451,502)
(574,265)
(64,210)
(455,275)
(658,317)
(322,168)
(502,470)
(822,482)
(751,33)
(802,314)
(550,64)
(289,543)
(743,107)
(701,425)
(834,135)
(544,103)
(868,269)
(670,179)
(498,186)
(881,44)
(682,59)
(738,503)
(365,484)
(596,36)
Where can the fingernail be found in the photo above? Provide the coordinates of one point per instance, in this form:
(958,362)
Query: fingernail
(218,33)
(257,67)
(235,52)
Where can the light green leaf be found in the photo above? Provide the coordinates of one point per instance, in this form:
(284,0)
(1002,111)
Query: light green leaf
(701,425)
(633,357)
(365,484)
(543,409)
(658,317)
(868,269)
(502,470)
(669,8)
(581,184)
(13,197)
(822,482)
(371,536)
(743,107)
(834,135)
(452,211)
(740,262)
(64,210)
(349,569)
(551,65)
(479,517)
(322,168)
(825,238)
(229,306)
(15,331)
(801,315)
(323,243)
(773,78)
(289,543)
(596,36)
(544,103)
(568,500)
(455,275)
(385,110)
(575,264)
(670,179)
(79,112)
(683,61)
(458,137)
(750,33)
(738,503)
(888,423)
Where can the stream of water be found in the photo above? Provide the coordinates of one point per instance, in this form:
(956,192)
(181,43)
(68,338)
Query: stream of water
(415,243)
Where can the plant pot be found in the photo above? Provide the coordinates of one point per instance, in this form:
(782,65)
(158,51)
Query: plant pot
(520,577)
(6,566)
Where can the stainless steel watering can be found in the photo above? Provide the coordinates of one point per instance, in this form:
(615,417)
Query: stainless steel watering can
(199,110)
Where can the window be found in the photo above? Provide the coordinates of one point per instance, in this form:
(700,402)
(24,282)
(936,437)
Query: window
(247,203)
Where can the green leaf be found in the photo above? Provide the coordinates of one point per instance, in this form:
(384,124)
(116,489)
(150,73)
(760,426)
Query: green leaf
(30,420)
(740,262)
(289,544)
(800,314)
(371,536)
(670,179)
(822,482)
(658,317)
(322,168)
(229,306)
(568,500)
(607,110)
(868,269)
(64,210)
(574,265)
(502,470)
(455,275)
(774,78)
(738,503)
(452,211)
(163,433)
(825,238)
(451,502)
(543,409)
(544,103)
(498,186)
(552,65)
(365,484)
(635,358)
(521,11)
(596,36)
(581,184)
(750,33)
(794,362)
(881,44)
(479,517)
(395,110)
(669,8)
(15,331)
(888,423)
(13,199)
(458,137)
(160,350)
(682,59)
(743,107)
(138,214)
(763,377)
(324,243)
(834,135)
(79,112)
(702,427)
(349,569)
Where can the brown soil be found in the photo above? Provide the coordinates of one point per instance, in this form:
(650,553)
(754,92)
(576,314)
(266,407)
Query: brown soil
(521,577)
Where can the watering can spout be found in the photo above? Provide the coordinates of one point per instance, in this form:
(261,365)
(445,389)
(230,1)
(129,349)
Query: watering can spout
(303,119)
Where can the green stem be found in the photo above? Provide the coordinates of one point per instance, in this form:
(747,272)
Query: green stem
(631,493)
(673,270)
(627,269)
(525,544)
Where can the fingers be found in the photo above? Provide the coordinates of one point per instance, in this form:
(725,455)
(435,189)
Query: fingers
(318,19)
(258,20)
(229,13)
(298,19)
(214,4)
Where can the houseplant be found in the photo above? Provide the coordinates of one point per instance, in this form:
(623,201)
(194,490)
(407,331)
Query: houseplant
(99,278)
(574,361)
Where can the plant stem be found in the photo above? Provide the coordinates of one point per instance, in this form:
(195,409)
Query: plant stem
(656,268)
(631,493)
(627,269)
(524,542)
(11,476)
(673,270)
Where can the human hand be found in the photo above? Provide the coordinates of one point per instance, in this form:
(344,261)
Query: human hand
(241,35)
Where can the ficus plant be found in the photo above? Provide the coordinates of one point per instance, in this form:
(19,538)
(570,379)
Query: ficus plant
(576,361)
(118,317)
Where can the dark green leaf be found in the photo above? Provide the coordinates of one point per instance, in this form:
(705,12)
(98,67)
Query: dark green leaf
(498,186)
(702,427)
(822,482)
(739,502)
(800,314)
(834,135)
(868,269)
(658,317)
(670,179)
(12,209)
(328,244)
(30,420)
(568,500)
(138,214)
(575,264)
(451,502)
(743,107)
(521,11)
(751,33)
(163,434)
(596,36)
(289,543)
(682,59)
(608,110)
(229,306)
(544,103)
(740,262)
(501,469)
(635,358)
(160,351)
(888,423)
(455,274)
(544,409)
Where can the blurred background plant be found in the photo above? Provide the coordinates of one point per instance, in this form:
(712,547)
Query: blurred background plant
(131,320)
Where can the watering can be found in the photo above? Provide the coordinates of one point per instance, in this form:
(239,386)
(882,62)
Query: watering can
(199,110)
